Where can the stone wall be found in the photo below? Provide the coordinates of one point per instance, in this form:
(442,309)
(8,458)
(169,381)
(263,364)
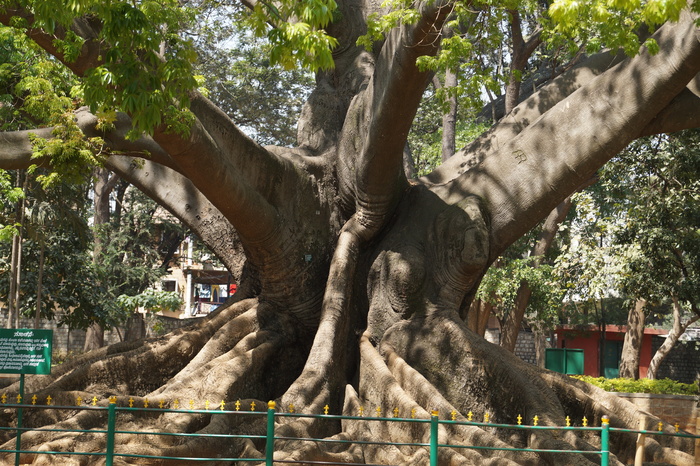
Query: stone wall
(681,409)
(682,363)
(524,346)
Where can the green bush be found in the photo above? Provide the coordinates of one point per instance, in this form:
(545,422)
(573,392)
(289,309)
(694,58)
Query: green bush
(661,386)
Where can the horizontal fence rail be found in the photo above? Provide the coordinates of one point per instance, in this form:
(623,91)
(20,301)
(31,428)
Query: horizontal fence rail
(271,414)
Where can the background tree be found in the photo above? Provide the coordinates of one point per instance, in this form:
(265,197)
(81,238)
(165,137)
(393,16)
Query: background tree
(523,279)
(237,74)
(38,91)
(660,194)
(152,302)
(635,238)
(356,276)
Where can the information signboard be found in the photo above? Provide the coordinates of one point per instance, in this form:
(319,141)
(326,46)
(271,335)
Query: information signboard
(25,351)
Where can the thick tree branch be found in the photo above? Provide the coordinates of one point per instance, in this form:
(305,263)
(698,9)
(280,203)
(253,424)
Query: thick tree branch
(177,194)
(242,179)
(373,179)
(164,185)
(16,148)
(682,113)
(522,116)
(537,169)
(203,150)
(85,27)
(117,141)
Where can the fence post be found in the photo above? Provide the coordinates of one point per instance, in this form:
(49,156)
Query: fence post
(697,441)
(434,438)
(270,445)
(641,438)
(111,423)
(605,441)
(18,439)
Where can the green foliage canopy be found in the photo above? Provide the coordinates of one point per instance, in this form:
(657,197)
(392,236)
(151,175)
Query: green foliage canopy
(146,65)
(636,233)
(151,300)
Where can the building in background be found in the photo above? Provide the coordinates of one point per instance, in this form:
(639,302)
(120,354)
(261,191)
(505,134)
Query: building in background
(201,285)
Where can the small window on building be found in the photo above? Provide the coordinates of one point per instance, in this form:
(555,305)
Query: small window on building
(169,285)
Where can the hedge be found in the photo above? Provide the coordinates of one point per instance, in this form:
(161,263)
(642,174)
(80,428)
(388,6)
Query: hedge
(660,386)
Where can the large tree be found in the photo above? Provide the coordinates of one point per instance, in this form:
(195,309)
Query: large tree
(355,275)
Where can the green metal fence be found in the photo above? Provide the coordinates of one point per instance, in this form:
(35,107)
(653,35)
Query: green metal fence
(112,411)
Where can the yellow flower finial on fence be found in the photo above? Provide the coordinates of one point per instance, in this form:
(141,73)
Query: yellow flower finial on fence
(161,405)
(34,397)
(487,416)
(252,405)
(661,426)
(413,413)
(4,398)
(396,412)
(520,420)
(131,402)
(568,421)
(361,410)
(145,402)
(206,405)
(176,403)
(470,415)
(19,398)
(237,404)
(48,400)
(677,426)
(379,411)
(191,404)
(325,409)
(79,400)
(585,421)
(94,401)
(290,408)
(453,415)
(222,405)
(535,420)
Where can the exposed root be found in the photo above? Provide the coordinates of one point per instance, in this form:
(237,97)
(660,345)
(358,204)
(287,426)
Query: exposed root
(239,359)
(131,367)
(392,383)
(324,374)
(420,365)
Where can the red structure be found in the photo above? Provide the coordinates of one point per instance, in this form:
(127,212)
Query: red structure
(602,349)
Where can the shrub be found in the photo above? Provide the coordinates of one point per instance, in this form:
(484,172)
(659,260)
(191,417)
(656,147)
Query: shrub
(660,386)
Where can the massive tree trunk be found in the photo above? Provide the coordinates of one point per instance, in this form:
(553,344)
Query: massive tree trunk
(356,277)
